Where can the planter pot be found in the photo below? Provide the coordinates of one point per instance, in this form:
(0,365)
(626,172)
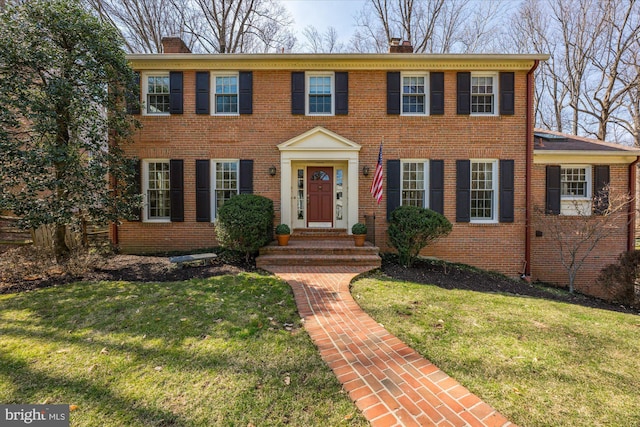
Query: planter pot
(359,239)
(283,239)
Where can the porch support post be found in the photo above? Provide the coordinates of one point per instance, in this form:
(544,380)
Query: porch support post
(352,191)
(285,191)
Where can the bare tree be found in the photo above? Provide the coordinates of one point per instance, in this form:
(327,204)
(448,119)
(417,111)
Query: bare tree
(143,23)
(248,26)
(576,236)
(327,42)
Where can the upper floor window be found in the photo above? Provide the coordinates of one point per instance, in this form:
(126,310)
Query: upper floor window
(225,94)
(483,93)
(320,94)
(414,94)
(415,183)
(483,190)
(156,89)
(156,191)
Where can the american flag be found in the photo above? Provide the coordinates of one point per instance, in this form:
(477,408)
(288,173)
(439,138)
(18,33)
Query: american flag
(376,185)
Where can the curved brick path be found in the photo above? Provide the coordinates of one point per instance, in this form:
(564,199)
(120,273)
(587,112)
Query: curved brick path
(388,381)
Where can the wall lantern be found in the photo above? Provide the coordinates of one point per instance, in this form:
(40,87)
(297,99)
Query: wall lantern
(365,171)
(272,170)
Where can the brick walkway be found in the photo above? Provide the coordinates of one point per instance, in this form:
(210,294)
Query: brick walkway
(388,381)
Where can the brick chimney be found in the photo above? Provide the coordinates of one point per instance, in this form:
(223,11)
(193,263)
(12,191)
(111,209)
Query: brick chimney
(396,47)
(174,45)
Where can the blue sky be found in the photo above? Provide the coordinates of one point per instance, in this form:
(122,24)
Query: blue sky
(325,13)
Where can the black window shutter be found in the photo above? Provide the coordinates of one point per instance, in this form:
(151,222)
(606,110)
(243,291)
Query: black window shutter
(506,190)
(553,190)
(436,103)
(393,185)
(175,92)
(133,97)
(463,190)
(246,177)
(138,183)
(393,92)
(246,92)
(297,92)
(464,93)
(342,93)
(600,189)
(203,191)
(507,91)
(436,185)
(203,98)
(176,190)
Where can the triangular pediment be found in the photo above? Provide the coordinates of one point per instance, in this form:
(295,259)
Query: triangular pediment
(319,139)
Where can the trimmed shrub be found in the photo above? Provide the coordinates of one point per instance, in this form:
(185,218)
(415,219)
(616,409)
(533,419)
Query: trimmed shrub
(245,223)
(412,228)
(620,279)
(283,229)
(359,228)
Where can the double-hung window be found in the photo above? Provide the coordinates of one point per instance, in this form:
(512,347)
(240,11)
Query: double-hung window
(575,189)
(483,93)
(414,94)
(483,190)
(225,94)
(156,191)
(225,182)
(320,93)
(156,89)
(414,183)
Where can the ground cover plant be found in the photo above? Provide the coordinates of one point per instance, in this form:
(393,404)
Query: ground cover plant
(226,350)
(538,361)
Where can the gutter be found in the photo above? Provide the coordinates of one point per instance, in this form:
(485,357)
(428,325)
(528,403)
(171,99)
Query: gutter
(529,170)
(631,231)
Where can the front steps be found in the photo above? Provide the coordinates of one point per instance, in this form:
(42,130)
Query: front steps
(319,247)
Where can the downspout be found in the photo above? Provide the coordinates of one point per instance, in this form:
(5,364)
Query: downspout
(529,170)
(631,231)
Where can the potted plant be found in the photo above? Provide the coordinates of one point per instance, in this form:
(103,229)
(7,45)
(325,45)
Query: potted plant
(359,231)
(283,232)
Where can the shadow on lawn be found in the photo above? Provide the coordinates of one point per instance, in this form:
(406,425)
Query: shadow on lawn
(458,276)
(172,325)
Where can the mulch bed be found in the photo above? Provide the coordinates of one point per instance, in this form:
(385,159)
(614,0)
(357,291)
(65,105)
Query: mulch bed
(24,269)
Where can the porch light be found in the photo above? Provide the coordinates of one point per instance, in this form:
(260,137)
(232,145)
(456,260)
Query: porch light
(272,170)
(365,171)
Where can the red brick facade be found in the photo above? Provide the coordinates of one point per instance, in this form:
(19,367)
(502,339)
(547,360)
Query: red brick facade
(449,137)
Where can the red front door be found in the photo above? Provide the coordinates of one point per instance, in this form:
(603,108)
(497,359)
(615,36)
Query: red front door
(320,193)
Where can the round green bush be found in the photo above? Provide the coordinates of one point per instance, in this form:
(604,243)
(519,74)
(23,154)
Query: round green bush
(245,223)
(359,228)
(412,228)
(283,229)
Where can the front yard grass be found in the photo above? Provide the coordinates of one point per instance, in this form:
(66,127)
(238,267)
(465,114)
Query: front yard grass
(228,350)
(538,362)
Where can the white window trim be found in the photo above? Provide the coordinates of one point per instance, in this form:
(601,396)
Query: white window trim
(145,189)
(426,178)
(307,85)
(145,91)
(496,92)
(212,178)
(577,205)
(494,188)
(213,92)
(427,91)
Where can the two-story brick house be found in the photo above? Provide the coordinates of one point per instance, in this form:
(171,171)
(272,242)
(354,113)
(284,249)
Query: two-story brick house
(305,131)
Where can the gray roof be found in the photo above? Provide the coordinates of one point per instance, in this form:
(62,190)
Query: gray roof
(545,140)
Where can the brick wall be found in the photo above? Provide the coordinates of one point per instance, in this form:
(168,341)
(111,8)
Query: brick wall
(546,265)
(449,137)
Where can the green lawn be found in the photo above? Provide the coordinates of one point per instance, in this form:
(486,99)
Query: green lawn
(223,351)
(538,362)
